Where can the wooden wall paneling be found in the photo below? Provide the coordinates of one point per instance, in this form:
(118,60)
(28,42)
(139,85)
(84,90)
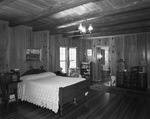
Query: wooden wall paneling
(89,46)
(26,38)
(105,41)
(113,61)
(72,42)
(4,47)
(127,51)
(98,64)
(141,39)
(54,43)
(120,52)
(133,51)
(47,51)
(51,38)
(41,41)
(148,59)
(79,51)
(52,52)
(19,36)
(82,48)
(98,67)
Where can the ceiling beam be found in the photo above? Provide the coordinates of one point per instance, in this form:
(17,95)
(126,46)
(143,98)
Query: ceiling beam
(120,32)
(111,33)
(121,27)
(131,10)
(49,11)
(111,21)
(5,2)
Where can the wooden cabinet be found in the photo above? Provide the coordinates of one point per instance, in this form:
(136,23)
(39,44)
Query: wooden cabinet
(86,70)
(132,80)
(8,84)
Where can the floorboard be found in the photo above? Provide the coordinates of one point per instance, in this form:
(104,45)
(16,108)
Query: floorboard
(100,105)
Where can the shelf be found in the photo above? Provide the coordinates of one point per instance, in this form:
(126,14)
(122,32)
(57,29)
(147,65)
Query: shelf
(85,69)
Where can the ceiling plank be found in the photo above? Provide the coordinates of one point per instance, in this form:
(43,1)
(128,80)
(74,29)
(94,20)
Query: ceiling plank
(119,27)
(110,33)
(135,9)
(49,11)
(120,32)
(111,21)
(5,2)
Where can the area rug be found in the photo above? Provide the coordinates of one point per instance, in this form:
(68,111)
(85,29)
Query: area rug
(122,91)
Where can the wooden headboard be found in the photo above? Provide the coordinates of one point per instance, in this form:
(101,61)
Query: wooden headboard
(34,71)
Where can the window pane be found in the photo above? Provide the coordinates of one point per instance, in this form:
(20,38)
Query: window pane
(63,59)
(63,66)
(72,57)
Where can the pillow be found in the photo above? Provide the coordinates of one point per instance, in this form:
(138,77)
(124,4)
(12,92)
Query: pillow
(37,76)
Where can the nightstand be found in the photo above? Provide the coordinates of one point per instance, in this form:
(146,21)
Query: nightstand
(8,84)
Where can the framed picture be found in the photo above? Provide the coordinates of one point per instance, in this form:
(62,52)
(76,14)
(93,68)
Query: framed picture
(89,52)
(33,54)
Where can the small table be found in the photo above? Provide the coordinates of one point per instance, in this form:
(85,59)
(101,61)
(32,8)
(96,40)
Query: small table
(9,83)
(8,89)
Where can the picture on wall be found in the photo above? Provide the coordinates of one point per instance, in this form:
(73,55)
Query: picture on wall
(33,55)
(89,52)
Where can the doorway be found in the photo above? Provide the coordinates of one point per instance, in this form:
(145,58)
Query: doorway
(103,65)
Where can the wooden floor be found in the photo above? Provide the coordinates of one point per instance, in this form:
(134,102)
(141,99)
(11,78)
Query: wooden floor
(100,106)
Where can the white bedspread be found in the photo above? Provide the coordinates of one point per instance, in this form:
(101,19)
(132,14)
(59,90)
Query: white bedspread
(44,92)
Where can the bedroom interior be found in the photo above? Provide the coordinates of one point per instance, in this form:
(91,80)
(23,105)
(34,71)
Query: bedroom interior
(38,36)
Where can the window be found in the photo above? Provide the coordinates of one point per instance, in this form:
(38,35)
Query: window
(67,58)
(72,57)
(89,52)
(63,59)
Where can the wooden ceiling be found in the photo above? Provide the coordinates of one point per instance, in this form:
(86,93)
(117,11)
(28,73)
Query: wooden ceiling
(108,17)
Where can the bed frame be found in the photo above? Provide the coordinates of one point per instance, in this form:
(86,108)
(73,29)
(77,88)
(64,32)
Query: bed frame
(69,93)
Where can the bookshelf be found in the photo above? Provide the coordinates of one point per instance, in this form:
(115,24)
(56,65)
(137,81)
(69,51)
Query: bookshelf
(86,70)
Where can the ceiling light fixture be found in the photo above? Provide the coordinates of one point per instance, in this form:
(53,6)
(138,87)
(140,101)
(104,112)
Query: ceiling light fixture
(83,29)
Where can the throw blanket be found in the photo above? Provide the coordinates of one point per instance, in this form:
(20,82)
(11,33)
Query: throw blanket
(44,92)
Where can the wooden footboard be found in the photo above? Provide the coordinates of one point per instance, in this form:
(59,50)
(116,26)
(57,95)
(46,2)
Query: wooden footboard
(68,93)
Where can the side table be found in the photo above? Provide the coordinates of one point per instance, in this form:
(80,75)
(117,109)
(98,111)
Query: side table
(9,83)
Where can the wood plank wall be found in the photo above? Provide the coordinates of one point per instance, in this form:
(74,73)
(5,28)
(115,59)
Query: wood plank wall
(15,40)
(4,46)
(133,49)
(56,41)
(13,44)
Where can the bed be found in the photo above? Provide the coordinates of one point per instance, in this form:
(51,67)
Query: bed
(50,91)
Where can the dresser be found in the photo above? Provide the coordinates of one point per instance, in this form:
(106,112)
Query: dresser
(133,80)
(8,83)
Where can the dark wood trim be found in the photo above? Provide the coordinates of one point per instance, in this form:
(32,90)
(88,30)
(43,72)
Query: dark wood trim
(5,2)
(111,33)
(49,11)
(113,15)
